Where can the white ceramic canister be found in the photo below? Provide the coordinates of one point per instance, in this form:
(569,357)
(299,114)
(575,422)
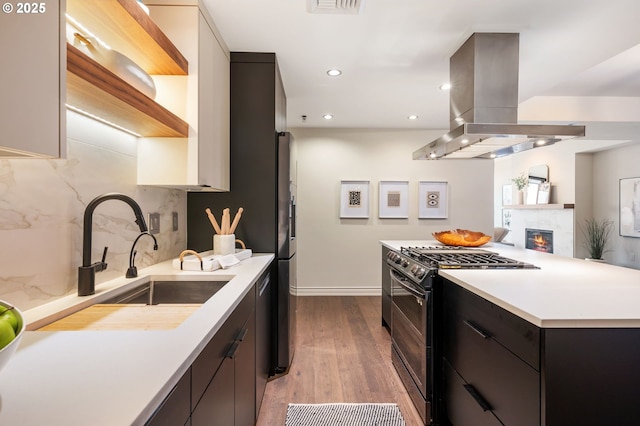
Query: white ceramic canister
(224,244)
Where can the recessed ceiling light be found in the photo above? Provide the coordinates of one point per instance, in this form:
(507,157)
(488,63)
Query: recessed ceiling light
(432,155)
(334,72)
(445,86)
(327,116)
(464,141)
(493,155)
(412,117)
(540,142)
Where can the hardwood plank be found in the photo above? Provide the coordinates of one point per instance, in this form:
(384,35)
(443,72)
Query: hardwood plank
(343,354)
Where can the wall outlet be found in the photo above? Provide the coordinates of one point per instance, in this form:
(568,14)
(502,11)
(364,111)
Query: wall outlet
(174,218)
(154,223)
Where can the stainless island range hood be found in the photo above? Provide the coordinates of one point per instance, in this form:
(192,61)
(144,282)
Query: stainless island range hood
(483,104)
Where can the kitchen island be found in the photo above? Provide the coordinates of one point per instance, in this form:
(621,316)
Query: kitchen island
(558,345)
(111,377)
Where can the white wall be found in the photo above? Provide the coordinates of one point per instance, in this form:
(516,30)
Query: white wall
(42,203)
(342,256)
(586,173)
(608,168)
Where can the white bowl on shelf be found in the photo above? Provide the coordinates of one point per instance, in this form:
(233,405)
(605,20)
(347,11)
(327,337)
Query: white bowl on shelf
(7,352)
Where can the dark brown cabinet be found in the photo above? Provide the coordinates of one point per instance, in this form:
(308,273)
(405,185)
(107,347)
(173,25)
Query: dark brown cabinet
(220,386)
(499,369)
(218,401)
(245,376)
(224,373)
(176,407)
(486,346)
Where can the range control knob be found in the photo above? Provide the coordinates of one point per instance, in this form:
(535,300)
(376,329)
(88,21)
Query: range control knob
(419,273)
(405,263)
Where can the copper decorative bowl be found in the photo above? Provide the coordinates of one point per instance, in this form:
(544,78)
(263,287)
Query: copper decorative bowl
(462,238)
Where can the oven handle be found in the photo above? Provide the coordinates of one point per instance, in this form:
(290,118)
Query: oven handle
(402,281)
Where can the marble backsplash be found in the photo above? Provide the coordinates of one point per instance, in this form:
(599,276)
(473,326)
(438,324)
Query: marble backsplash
(42,204)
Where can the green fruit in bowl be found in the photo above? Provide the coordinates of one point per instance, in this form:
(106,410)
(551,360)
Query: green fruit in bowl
(10,317)
(7,314)
(7,333)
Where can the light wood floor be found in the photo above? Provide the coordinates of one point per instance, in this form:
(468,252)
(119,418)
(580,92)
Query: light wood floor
(343,354)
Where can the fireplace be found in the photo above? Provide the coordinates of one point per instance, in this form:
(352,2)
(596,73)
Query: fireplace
(539,239)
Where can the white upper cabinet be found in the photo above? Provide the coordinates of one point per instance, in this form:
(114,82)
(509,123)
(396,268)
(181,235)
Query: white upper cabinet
(32,114)
(201,160)
(46,70)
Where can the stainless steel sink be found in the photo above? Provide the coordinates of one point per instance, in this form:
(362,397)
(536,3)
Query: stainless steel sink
(159,292)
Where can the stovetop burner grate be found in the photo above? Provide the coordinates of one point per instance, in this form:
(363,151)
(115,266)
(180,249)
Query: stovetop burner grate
(450,257)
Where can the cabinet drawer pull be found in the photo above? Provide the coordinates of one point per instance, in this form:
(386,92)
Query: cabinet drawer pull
(477,329)
(479,399)
(233,349)
(242,334)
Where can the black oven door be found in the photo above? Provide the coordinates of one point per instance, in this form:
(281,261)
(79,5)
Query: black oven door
(409,315)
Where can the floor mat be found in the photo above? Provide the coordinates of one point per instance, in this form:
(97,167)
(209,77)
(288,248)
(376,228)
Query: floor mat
(344,415)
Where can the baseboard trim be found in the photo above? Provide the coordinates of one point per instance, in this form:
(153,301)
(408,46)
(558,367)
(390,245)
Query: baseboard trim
(339,291)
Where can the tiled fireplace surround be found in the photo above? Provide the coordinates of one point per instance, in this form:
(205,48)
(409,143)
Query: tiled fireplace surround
(560,221)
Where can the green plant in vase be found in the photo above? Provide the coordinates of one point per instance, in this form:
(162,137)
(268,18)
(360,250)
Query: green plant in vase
(596,237)
(521,182)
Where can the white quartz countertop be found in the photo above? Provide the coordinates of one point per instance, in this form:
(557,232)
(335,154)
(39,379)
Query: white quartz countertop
(564,293)
(112,377)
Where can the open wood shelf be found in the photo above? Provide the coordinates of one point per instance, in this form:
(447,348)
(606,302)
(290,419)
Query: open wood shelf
(126,28)
(96,90)
(540,206)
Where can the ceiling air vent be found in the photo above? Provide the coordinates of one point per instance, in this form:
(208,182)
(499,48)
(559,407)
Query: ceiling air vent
(341,7)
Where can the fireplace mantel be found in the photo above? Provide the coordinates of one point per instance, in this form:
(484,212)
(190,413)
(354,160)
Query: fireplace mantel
(540,206)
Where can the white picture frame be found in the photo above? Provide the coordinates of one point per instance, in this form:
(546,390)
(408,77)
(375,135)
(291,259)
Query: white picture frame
(544,192)
(433,200)
(507,195)
(506,218)
(354,199)
(629,209)
(532,193)
(393,198)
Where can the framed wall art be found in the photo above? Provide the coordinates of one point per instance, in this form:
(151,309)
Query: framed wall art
(506,218)
(507,195)
(630,207)
(532,193)
(544,192)
(354,199)
(394,200)
(433,200)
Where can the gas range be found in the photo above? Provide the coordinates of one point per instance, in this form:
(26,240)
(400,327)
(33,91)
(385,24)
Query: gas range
(421,263)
